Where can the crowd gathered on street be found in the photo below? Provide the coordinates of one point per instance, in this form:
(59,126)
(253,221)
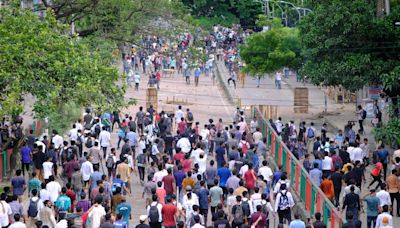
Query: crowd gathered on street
(210,174)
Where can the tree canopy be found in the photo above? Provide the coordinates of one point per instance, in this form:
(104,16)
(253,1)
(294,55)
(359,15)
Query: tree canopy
(267,52)
(347,44)
(38,57)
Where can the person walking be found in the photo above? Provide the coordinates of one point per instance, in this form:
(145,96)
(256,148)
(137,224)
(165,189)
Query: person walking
(278,79)
(352,203)
(283,204)
(361,115)
(372,208)
(197,73)
(232,77)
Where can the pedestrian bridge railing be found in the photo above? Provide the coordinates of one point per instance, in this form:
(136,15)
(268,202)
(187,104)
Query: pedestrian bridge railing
(309,194)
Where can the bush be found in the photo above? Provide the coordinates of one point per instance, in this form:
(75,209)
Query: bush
(61,121)
(208,22)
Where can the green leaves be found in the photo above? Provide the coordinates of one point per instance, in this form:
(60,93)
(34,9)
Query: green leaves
(39,58)
(346,44)
(267,52)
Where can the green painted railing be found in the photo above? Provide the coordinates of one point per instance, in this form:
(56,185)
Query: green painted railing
(309,194)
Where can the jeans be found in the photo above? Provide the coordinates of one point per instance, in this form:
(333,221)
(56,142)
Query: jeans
(354,211)
(278,84)
(360,122)
(371,220)
(376,178)
(104,151)
(141,172)
(395,197)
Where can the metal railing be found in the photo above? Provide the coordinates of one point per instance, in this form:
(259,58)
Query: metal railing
(308,193)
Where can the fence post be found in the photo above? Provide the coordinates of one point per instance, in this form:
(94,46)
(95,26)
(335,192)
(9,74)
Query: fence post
(303,187)
(298,172)
(312,209)
(279,149)
(308,194)
(283,158)
(273,145)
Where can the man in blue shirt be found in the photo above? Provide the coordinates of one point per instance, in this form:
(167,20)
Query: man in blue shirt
(125,209)
(383,157)
(224,173)
(220,155)
(63,202)
(297,222)
(316,175)
(18,184)
(120,223)
(203,200)
(95,176)
(179,176)
(372,207)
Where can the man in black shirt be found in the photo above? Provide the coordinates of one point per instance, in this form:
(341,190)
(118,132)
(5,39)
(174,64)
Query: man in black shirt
(352,203)
(142,220)
(221,222)
(359,173)
(337,179)
(350,175)
(318,223)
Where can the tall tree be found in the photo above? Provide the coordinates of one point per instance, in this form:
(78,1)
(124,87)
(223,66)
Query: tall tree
(267,52)
(40,58)
(346,44)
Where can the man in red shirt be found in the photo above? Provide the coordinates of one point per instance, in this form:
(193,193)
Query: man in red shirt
(250,178)
(169,211)
(71,194)
(169,183)
(182,126)
(179,156)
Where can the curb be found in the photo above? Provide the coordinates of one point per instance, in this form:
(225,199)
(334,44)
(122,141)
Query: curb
(222,84)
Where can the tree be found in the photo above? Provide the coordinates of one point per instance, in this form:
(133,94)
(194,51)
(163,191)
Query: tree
(118,20)
(267,52)
(38,57)
(346,44)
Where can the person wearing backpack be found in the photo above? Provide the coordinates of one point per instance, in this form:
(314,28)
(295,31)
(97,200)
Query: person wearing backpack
(310,136)
(189,118)
(283,204)
(238,217)
(361,115)
(154,213)
(111,163)
(35,205)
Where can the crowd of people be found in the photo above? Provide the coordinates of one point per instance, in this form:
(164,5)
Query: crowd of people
(214,174)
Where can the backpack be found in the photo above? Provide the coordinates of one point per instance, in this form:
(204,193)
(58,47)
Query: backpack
(70,153)
(89,142)
(33,208)
(153,213)
(310,133)
(110,162)
(364,114)
(238,217)
(283,201)
(141,159)
(246,208)
(97,129)
(190,116)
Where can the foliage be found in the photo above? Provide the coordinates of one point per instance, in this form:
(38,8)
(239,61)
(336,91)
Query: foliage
(389,133)
(40,58)
(209,22)
(224,12)
(267,52)
(118,20)
(61,120)
(351,47)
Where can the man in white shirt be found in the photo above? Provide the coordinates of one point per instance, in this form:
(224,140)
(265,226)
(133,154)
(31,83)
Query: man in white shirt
(179,114)
(48,168)
(384,219)
(357,155)
(41,145)
(44,194)
(257,135)
(279,125)
(73,133)
(244,169)
(54,189)
(104,138)
(242,125)
(17,223)
(57,140)
(40,206)
(384,196)
(160,174)
(266,171)
(184,144)
(87,170)
(5,211)
(97,213)
(327,164)
(159,207)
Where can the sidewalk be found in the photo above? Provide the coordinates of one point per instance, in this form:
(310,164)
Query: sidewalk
(337,115)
